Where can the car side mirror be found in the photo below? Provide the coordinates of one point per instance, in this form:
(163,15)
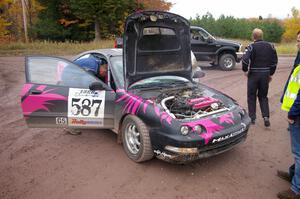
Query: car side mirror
(96,86)
(198,74)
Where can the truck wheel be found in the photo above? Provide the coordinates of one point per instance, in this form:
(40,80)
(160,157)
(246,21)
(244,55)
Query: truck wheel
(136,139)
(227,62)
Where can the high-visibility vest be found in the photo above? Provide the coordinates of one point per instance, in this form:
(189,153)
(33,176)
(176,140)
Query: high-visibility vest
(291,92)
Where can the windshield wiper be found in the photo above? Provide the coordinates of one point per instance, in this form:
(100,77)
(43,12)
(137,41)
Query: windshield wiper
(150,86)
(156,85)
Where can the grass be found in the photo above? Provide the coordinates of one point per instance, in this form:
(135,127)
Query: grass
(286,49)
(51,48)
(283,48)
(73,48)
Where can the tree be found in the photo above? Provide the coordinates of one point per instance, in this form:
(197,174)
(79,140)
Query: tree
(3,29)
(292,25)
(12,15)
(154,5)
(53,22)
(230,27)
(4,24)
(102,13)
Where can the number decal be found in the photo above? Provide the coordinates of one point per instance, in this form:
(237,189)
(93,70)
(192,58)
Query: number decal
(75,107)
(98,107)
(86,110)
(61,121)
(85,107)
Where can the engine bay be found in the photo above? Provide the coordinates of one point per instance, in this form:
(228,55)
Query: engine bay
(189,103)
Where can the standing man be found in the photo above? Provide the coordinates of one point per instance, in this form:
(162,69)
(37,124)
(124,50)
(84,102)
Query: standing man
(259,64)
(291,104)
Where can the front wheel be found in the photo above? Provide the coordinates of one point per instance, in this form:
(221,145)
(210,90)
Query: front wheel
(227,62)
(136,139)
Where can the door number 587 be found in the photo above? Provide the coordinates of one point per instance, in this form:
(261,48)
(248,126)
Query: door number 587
(86,106)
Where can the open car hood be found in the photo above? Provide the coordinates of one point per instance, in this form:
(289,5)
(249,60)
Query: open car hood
(156,43)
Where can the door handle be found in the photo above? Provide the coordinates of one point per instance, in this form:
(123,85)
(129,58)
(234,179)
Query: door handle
(35,92)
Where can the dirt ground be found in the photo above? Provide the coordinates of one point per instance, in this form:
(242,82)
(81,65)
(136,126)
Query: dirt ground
(49,163)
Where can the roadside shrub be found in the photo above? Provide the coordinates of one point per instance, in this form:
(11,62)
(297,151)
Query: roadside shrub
(230,27)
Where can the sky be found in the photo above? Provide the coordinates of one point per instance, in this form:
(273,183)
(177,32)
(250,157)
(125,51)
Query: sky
(237,8)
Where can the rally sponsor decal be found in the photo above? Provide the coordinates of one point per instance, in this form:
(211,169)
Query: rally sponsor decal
(225,137)
(85,107)
(88,122)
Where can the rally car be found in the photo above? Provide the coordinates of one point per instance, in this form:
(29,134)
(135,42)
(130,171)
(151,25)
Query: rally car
(149,99)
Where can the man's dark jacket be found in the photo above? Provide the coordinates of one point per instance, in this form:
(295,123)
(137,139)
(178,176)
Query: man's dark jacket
(260,57)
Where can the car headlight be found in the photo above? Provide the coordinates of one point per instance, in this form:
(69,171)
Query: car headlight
(198,129)
(160,16)
(242,112)
(184,130)
(153,18)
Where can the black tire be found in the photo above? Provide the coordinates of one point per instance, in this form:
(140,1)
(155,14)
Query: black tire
(227,62)
(136,139)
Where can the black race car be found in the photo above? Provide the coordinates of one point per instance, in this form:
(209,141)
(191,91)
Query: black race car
(149,97)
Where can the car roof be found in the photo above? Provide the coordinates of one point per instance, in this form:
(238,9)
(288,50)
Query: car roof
(196,27)
(108,52)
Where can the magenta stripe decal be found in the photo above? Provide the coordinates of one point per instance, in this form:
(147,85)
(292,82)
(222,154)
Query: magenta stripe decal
(42,101)
(227,118)
(25,89)
(134,103)
(210,126)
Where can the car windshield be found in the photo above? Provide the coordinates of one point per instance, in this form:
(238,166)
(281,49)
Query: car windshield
(160,82)
(204,34)
(117,66)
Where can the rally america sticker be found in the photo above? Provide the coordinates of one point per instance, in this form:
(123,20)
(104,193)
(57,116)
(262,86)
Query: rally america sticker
(85,107)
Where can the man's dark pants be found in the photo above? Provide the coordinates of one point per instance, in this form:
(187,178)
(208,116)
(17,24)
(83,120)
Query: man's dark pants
(258,85)
(295,145)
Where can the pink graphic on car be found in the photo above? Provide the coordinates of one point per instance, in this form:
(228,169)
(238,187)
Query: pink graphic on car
(227,118)
(133,103)
(210,126)
(42,101)
(25,89)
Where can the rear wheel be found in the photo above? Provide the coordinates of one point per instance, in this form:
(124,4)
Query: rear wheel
(136,139)
(227,62)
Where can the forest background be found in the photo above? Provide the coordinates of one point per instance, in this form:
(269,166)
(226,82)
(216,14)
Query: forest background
(71,26)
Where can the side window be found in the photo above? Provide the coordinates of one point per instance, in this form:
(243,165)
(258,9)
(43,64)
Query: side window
(84,56)
(103,72)
(117,70)
(195,35)
(56,71)
(96,64)
(203,34)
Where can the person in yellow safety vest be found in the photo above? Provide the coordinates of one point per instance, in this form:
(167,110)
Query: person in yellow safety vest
(291,104)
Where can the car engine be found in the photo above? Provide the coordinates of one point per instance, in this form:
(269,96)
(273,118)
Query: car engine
(189,104)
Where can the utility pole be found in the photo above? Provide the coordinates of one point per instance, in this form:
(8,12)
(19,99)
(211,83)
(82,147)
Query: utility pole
(24,20)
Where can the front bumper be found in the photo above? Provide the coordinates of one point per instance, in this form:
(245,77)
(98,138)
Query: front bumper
(239,56)
(203,152)
(176,150)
